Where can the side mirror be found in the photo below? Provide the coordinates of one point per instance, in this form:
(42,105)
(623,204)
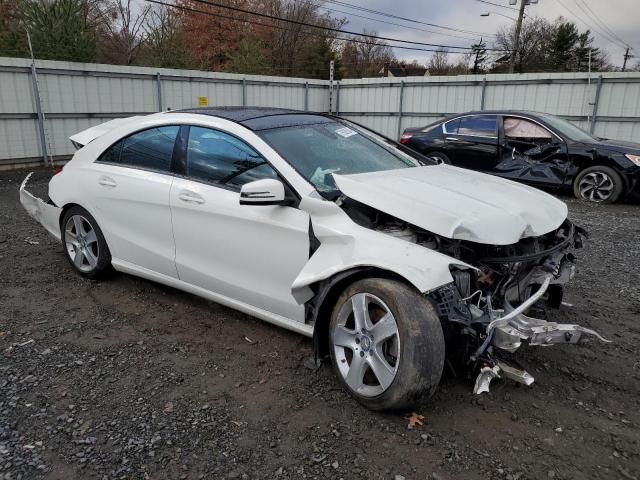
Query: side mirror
(267,191)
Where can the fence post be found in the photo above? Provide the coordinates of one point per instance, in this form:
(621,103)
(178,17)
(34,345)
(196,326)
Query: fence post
(337,98)
(159,90)
(400,108)
(244,92)
(484,88)
(595,105)
(306,96)
(36,94)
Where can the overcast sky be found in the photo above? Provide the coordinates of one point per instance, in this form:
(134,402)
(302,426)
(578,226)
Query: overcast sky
(621,16)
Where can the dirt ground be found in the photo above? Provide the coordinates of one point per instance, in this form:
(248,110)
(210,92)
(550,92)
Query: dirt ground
(129,379)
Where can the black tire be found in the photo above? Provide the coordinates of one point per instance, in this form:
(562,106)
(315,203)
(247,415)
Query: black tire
(421,352)
(439,157)
(611,181)
(98,249)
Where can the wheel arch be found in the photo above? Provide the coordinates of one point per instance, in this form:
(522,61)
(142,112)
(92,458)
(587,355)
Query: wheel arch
(319,307)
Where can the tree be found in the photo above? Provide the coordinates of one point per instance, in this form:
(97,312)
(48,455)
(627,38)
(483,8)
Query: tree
(479,53)
(563,43)
(439,62)
(164,43)
(318,55)
(366,57)
(59,29)
(13,38)
(249,58)
(121,31)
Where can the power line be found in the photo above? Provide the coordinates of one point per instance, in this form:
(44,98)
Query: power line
(411,20)
(332,29)
(392,23)
(591,27)
(600,22)
(352,40)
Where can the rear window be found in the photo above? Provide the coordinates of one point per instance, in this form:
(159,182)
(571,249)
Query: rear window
(478,125)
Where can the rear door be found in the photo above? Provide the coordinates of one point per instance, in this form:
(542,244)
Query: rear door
(472,141)
(130,189)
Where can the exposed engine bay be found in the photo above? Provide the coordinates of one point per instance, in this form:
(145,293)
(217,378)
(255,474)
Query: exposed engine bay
(483,311)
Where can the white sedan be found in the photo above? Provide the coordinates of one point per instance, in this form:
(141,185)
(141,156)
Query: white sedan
(323,227)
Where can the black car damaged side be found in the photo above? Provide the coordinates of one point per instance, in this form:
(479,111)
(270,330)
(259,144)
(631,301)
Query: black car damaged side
(528,147)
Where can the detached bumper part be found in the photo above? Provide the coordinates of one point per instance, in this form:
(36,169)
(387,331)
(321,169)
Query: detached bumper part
(45,214)
(510,330)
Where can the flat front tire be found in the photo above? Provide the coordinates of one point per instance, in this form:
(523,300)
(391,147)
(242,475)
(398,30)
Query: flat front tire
(84,244)
(386,344)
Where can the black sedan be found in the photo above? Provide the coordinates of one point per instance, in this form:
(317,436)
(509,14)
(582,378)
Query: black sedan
(535,148)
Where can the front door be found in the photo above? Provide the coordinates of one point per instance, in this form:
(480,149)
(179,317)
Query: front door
(247,253)
(531,153)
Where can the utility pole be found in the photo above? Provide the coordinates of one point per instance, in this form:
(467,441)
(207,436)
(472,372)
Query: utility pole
(516,40)
(627,55)
(331,69)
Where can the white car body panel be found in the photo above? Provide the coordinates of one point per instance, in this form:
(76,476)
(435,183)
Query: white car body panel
(47,215)
(345,245)
(246,252)
(458,203)
(87,136)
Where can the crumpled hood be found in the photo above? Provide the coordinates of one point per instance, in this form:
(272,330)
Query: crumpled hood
(457,203)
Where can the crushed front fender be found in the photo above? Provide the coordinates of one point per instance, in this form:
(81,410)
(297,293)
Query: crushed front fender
(44,213)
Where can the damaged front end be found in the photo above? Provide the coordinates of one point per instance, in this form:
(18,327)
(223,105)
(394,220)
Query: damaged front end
(488,306)
(483,311)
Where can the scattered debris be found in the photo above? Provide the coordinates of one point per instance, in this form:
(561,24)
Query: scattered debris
(484,379)
(168,407)
(249,341)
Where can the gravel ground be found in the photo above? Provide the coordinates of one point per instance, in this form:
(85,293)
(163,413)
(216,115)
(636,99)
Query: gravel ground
(133,380)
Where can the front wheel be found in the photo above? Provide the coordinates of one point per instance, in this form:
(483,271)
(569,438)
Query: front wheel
(598,184)
(439,158)
(386,344)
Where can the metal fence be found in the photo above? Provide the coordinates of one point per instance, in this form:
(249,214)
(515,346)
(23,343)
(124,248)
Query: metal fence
(41,107)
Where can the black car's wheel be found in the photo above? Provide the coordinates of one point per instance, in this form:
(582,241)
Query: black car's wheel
(386,344)
(439,157)
(598,184)
(84,244)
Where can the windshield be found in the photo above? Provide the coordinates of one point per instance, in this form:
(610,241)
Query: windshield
(318,150)
(567,129)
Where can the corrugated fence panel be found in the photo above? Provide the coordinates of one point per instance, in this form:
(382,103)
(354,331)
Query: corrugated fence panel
(75,96)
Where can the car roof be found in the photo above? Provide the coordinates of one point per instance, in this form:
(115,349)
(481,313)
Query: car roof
(260,118)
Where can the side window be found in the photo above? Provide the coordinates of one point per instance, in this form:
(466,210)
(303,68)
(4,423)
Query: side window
(525,130)
(452,126)
(112,154)
(478,125)
(151,149)
(217,157)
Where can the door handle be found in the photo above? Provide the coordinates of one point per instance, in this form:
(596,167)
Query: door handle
(190,197)
(453,139)
(107,182)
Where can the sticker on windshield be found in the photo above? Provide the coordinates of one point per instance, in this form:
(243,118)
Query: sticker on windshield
(346,132)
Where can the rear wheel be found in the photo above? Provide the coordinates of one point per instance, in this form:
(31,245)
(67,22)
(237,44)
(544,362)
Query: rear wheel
(598,184)
(439,157)
(386,344)
(84,244)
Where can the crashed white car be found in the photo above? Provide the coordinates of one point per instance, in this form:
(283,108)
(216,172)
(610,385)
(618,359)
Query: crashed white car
(323,227)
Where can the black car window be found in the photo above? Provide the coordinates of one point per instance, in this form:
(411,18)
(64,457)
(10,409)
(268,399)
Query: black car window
(223,159)
(452,126)
(150,149)
(525,130)
(478,125)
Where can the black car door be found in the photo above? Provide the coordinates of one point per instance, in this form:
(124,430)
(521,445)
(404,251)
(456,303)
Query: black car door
(531,153)
(472,141)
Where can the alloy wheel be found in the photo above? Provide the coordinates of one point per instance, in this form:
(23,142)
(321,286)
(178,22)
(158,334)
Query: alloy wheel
(596,186)
(81,242)
(366,344)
